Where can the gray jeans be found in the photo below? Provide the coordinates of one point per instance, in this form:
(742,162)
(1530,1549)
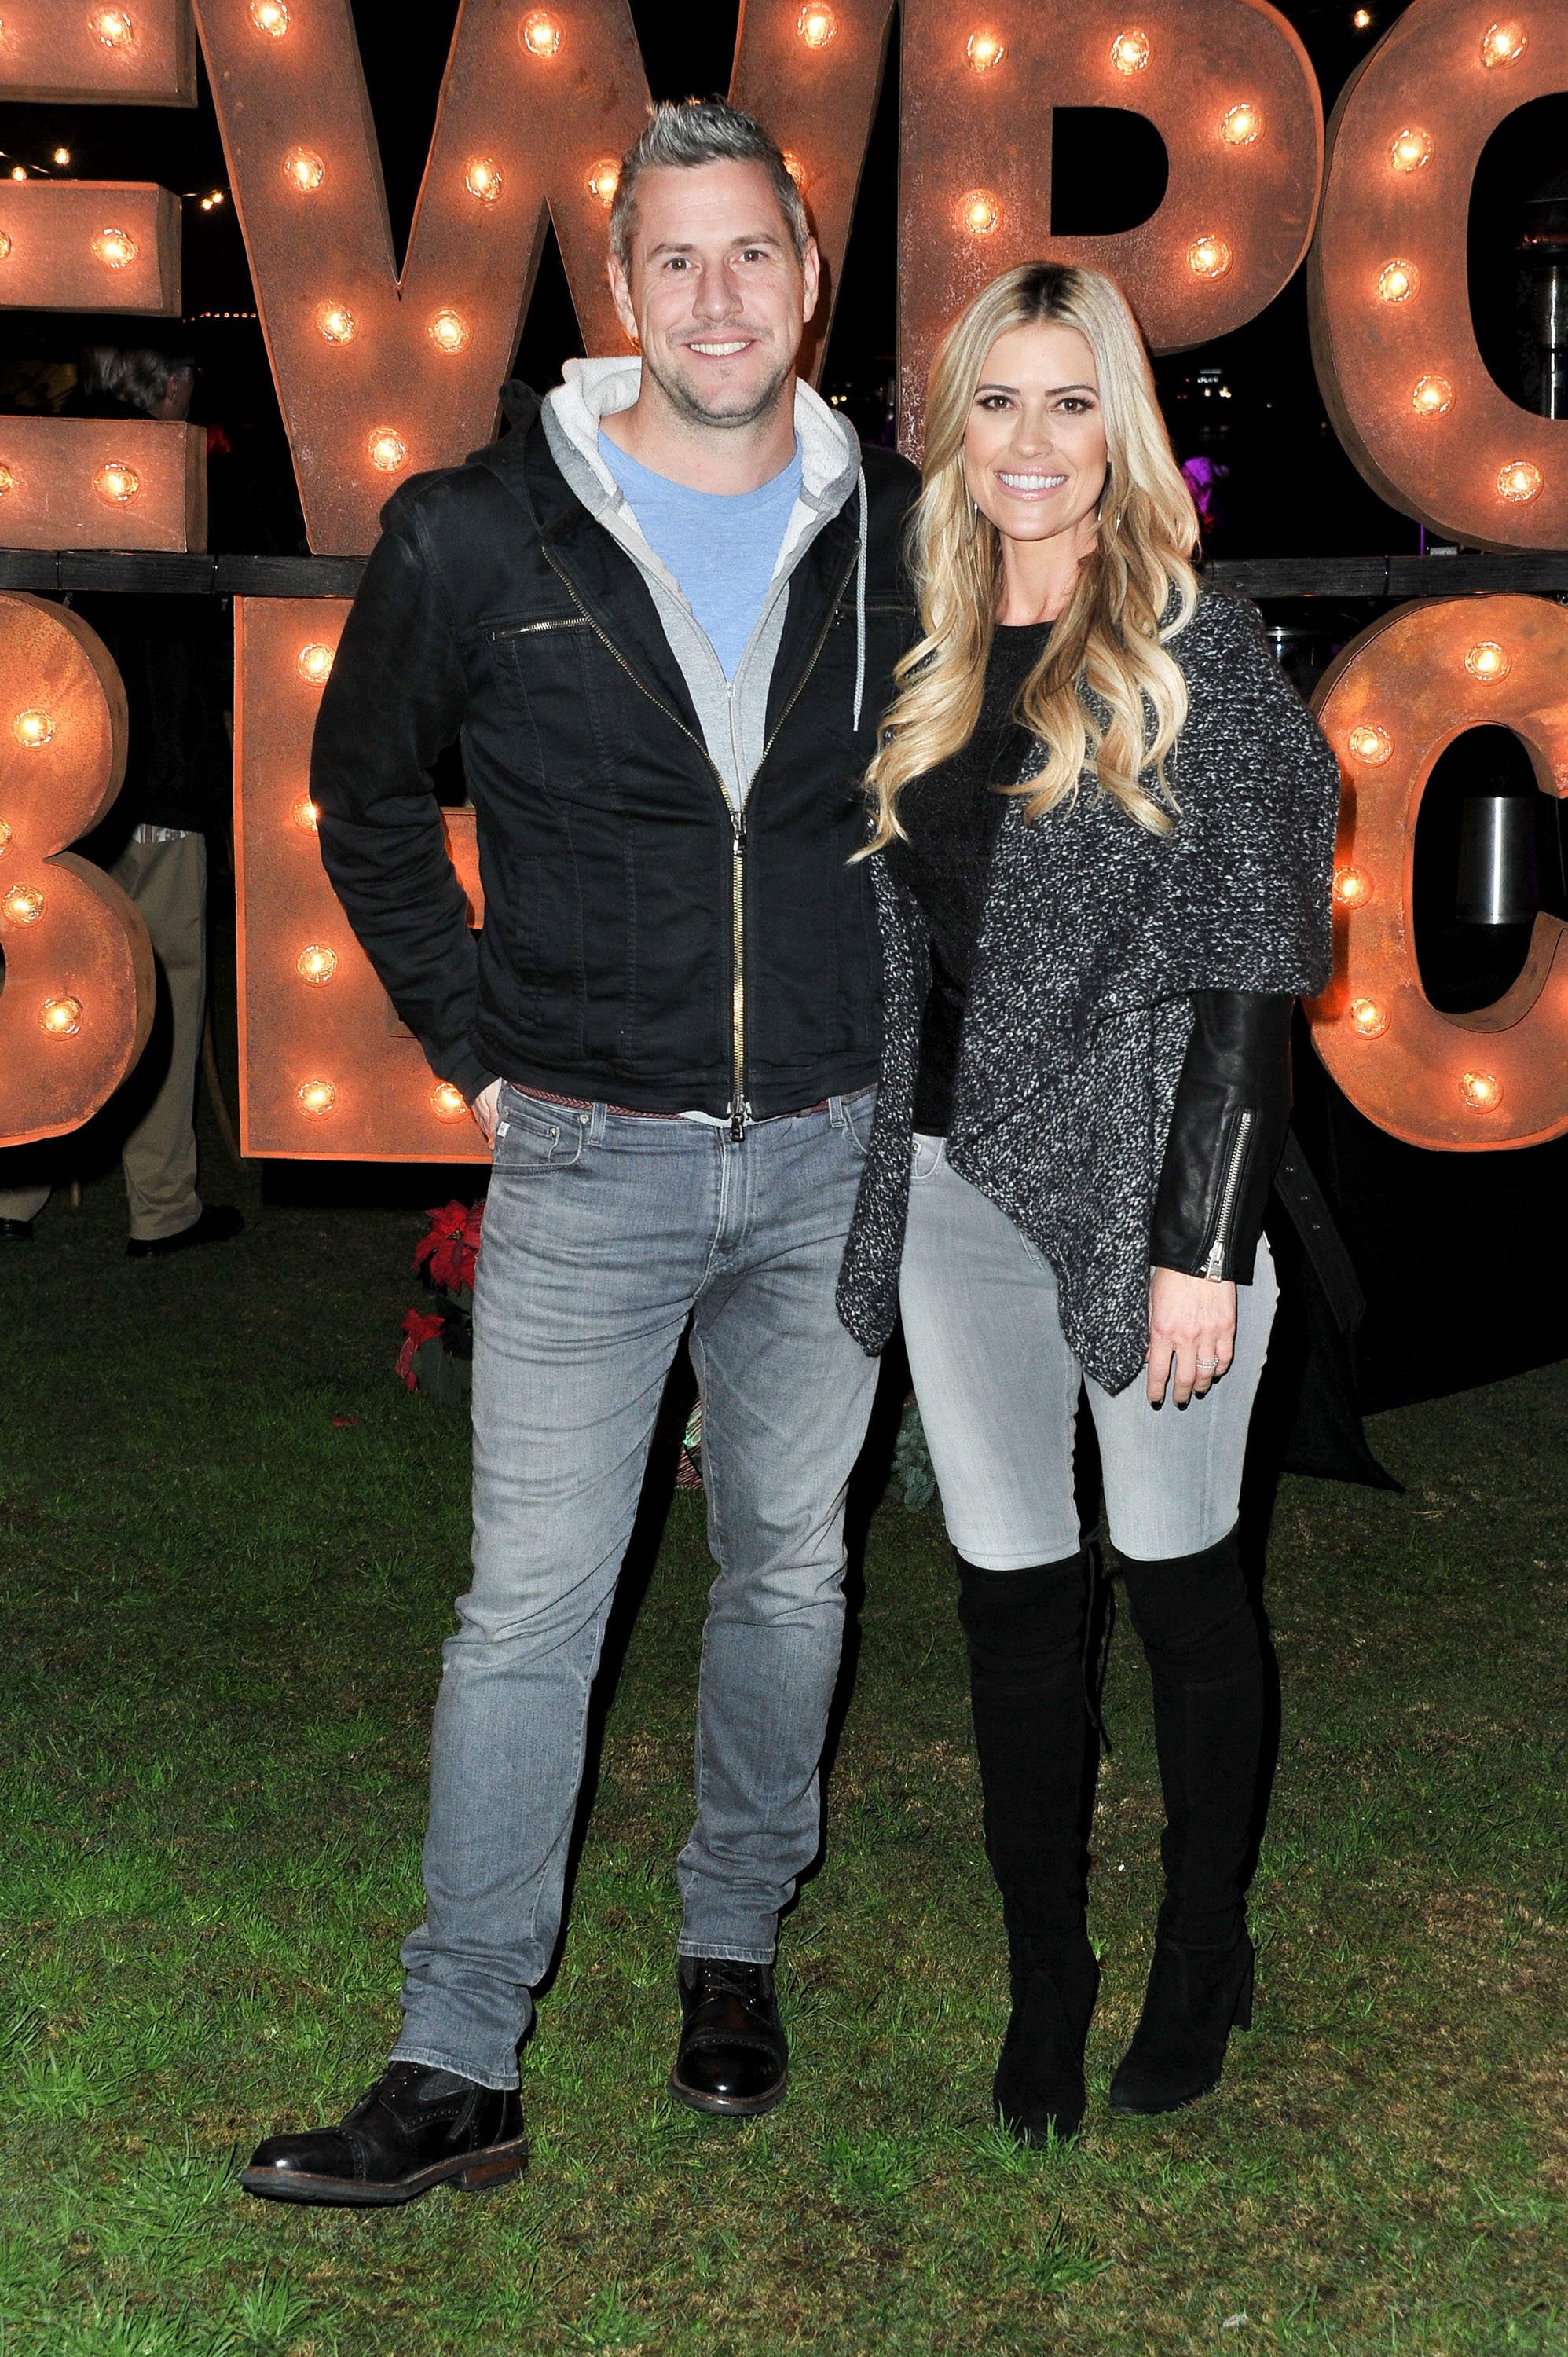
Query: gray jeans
(603,1234)
(998,1390)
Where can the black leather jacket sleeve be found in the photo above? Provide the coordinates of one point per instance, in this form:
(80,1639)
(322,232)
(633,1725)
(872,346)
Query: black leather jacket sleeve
(1228,1131)
(394,700)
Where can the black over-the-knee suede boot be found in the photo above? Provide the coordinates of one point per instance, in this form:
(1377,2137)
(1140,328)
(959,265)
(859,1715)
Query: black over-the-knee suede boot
(1204,1648)
(1025,1630)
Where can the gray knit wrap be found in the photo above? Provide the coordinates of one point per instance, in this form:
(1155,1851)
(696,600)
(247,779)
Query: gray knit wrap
(1094,935)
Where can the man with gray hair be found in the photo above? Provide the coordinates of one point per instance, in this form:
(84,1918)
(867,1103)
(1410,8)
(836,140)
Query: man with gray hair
(662,615)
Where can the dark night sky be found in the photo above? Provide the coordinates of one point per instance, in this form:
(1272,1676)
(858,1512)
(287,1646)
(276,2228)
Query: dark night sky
(1292,490)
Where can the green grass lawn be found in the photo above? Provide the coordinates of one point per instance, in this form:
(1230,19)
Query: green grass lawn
(229,1544)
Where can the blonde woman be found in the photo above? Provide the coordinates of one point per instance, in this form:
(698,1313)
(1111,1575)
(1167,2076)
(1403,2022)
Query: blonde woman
(1102,834)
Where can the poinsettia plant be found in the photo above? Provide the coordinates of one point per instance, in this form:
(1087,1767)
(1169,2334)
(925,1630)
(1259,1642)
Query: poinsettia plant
(437,1354)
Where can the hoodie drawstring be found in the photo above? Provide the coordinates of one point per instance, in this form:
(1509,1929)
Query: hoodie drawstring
(860,604)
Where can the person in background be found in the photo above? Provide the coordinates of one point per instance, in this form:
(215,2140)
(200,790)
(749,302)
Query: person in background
(1103,825)
(178,786)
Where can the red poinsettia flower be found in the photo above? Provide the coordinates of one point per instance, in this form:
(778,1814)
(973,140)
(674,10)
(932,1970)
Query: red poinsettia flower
(421,1325)
(452,1247)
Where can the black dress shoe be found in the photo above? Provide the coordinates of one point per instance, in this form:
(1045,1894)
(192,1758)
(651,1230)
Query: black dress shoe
(416,2128)
(1039,2091)
(1194,1998)
(733,2056)
(16,1231)
(215,1224)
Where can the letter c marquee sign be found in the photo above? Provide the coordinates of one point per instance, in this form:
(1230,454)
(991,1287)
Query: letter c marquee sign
(378,374)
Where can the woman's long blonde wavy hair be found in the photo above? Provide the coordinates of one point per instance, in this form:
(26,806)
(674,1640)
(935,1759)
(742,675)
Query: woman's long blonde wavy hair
(1132,594)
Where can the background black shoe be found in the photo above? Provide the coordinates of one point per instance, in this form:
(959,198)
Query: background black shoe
(16,1231)
(733,2056)
(216,1223)
(416,2128)
(1196,1998)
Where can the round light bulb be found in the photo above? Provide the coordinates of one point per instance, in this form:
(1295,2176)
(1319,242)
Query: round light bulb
(387,449)
(304,169)
(449,332)
(446,1103)
(984,48)
(23,904)
(1412,150)
(483,180)
(1432,396)
(33,729)
(979,212)
(316,962)
(1519,481)
(1208,257)
(1371,744)
(305,814)
(269,16)
(1352,886)
(62,1017)
(115,247)
(117,484)
(63,155)
(816,25)
(1503,42)
(113,27)
(314,662)
(603,179)
(336,322)
(1242,126)
(1482,1092)
(1487,663)
(1130,51)
(18,172)
(317,1098)
(1362,19)
(1370,1016)
(1396,282)
(540,34)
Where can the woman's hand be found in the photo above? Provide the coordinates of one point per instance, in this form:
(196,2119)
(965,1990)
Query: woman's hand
(1192,1333)
(485,1110)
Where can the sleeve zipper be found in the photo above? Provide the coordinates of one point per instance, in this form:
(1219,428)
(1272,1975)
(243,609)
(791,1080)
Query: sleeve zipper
(1214,1266)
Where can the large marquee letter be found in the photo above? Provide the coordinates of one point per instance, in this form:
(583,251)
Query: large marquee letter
(1226,84)
(1397,695)
(326,1073)
(378,375)
(86,246)
(77,1000)
(1409,392)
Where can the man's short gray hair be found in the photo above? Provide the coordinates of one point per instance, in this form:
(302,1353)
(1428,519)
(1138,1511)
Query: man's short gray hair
(138,377)
(693,132)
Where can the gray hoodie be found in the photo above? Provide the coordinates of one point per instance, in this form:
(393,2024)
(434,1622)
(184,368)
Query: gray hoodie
(733,714)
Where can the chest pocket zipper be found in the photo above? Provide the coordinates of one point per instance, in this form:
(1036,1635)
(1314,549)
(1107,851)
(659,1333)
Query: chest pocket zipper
(532,630)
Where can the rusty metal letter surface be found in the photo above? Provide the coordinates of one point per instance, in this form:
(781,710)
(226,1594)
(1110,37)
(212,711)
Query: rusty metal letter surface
(1226,84)
(1409,392)
(1399,693)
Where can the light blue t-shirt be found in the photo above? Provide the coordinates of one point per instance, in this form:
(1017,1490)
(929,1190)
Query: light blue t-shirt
(721,547)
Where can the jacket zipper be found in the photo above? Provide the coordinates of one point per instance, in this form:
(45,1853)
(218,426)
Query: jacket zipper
(529,629)
(740,1109)
(1214,1264)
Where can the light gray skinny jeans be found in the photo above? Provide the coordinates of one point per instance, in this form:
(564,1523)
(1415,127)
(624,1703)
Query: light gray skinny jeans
(998,1391)
(602,1233)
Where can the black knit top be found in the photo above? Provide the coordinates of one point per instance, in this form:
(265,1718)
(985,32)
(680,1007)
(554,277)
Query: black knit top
(951,816)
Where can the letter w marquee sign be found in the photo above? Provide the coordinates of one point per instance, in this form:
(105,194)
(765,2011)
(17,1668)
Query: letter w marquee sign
(379,375)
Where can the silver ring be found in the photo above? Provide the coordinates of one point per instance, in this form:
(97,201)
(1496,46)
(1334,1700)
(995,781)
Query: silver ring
(1207,1366)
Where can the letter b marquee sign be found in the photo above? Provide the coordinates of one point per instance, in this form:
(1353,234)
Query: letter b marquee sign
(380,374)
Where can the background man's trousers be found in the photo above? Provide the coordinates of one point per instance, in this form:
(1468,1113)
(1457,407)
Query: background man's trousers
(167,882)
